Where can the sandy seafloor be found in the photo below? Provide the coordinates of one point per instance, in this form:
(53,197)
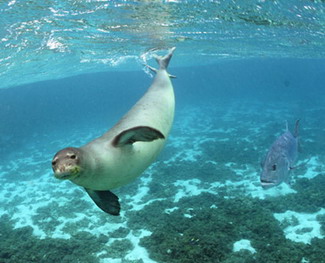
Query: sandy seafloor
(200,202)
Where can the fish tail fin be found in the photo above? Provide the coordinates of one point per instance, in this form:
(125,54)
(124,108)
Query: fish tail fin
(296,132)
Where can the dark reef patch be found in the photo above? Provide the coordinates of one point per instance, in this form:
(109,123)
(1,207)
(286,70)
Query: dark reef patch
(230,151)
(20,246)
(204,228)
(309,199)
(204,234)
(207,172)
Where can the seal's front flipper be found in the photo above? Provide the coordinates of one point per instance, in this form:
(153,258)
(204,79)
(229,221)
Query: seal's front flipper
(135,134)
(105,200)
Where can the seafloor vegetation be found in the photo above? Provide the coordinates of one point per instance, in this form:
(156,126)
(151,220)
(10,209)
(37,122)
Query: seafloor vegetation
(21,246)
(208,234)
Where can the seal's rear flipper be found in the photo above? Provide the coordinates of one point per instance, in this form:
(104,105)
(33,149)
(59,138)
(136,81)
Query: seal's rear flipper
(139,133)
(163,62)
(105,200)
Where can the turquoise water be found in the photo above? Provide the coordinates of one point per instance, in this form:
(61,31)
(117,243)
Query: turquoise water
(71,69)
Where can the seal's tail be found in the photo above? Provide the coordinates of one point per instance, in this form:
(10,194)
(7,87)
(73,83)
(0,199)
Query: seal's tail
(163,61)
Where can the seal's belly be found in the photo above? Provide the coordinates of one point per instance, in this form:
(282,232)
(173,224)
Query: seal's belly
(123,165)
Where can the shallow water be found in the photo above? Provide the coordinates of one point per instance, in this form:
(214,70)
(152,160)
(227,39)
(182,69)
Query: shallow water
(70,70)
(43,40)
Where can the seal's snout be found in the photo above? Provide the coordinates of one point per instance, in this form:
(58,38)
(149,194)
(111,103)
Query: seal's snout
(62,175)
(66,171)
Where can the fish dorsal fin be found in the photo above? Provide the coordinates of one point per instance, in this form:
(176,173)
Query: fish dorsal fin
(105,200)
(296,132)
(137,134)
(287,127)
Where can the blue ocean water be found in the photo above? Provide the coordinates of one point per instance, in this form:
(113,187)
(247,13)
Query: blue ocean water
(71,69)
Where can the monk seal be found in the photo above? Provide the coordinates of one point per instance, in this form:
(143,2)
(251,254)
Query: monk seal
(127,149)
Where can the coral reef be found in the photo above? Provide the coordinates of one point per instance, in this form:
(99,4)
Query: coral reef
(206,234)
(80,248)
(309,200)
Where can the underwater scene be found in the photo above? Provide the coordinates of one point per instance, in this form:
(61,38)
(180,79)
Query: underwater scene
(221,160)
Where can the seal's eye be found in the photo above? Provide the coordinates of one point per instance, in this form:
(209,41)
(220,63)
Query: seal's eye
(73,156)
(53,163)
(274,167)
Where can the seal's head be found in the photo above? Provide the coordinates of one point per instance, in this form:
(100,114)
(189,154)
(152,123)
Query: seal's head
(66,163)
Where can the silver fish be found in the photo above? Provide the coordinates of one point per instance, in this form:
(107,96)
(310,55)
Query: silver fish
(280,159)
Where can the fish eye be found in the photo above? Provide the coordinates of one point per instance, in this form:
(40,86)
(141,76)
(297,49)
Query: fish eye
(73,156)
(53,163)
(274,167)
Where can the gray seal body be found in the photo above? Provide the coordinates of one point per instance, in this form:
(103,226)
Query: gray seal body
(127,149)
